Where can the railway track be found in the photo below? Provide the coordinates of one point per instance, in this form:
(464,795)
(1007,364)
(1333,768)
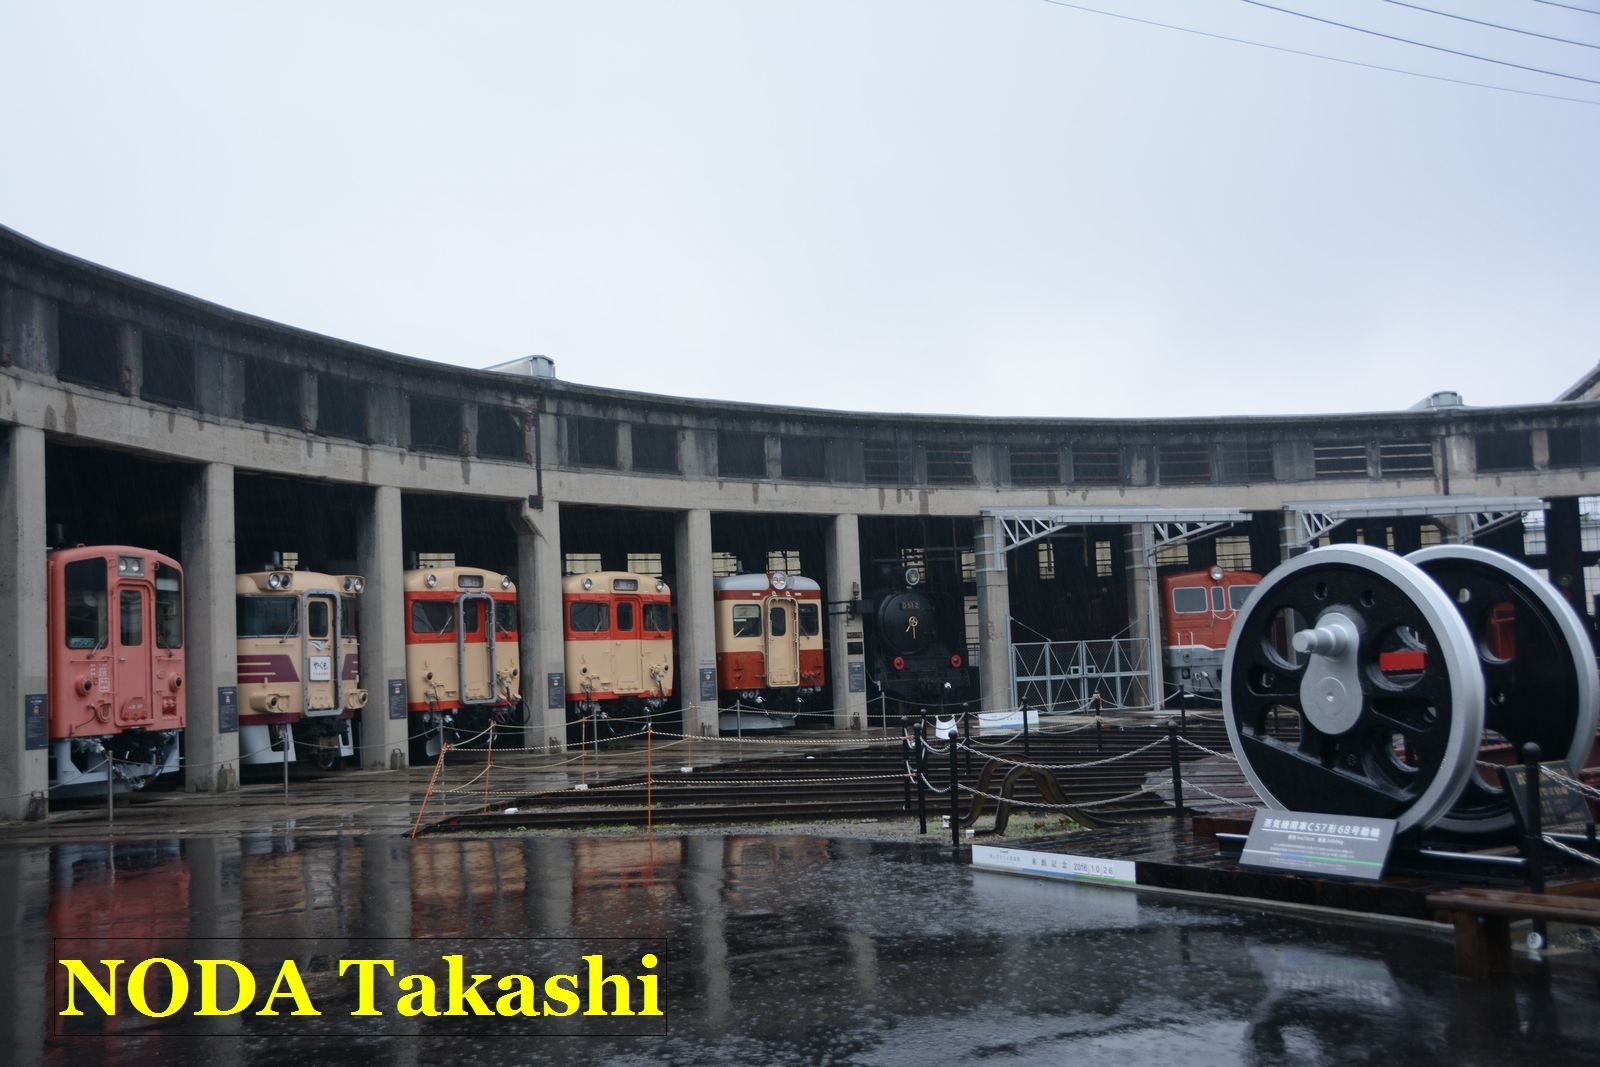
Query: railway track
(830,784)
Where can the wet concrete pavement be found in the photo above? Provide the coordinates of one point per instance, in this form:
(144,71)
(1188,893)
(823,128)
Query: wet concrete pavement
(780,950)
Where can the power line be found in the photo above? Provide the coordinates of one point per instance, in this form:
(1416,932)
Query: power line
(1493,25)
(1569,7)
(1419,44)
(1319,55)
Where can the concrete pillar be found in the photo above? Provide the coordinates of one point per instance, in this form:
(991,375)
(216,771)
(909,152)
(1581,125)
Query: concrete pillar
(701,882)
(696,633)
(28,984)
(845,631)
(994,618)
(27,331)
(211,639)
(24,771)
(383,636)
(1290,527)
(1144,610)
(540,629)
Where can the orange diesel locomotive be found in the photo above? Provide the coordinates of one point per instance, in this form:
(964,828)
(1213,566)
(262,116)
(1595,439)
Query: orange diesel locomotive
(769,639)
(298,662)
(463,666)
(1200,607)
(618,644)
(116,701)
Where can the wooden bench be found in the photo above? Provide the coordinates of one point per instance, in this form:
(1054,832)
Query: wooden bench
(1483,922)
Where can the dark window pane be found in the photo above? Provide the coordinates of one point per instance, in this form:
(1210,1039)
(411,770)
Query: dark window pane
(809,618)
(742,455)
(435,425)
(433,617)
(624,618)
(887,464)
(804,457)
(349,617)
(1035,466)
(1245,463)
(591,442)
(1405,457)
(472,617)
(780,621)
(505,617)
(747,620)
(500,433)
(319,619)
(655,448)
(169,608)
(1508,450)
(949,466)
(89,350)
(1339,461)
(168,365)
(1190,601)
(132,601)
(272,392)
(1096,466)
(1183,464)
(657,618)
(341,407)
(589,617)
(267,616)
(85,591)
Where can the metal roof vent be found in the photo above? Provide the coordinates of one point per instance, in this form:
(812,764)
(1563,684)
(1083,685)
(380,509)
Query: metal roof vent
(528,366)
(1443,399)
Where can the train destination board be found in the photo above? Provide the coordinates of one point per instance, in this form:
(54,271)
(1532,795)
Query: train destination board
(1338,846)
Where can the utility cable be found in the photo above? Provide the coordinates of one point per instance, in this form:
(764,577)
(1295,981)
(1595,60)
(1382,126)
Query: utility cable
(1419,44)
(1319,55)
(1492,25)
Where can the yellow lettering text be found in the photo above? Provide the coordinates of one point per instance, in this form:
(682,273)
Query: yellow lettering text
(103,995)
(598,981)
(459,996)
(289,975)
(564,994)
(421,1002)
(647,986)
(136,987)
(365,978)
(520,1000)
(208,987)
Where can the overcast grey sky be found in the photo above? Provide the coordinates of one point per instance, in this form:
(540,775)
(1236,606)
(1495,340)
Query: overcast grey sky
(1004,207)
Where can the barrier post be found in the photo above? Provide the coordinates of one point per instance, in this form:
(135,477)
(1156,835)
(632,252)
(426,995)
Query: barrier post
(649,779)
(1098,747)
(1177,776)
(1534,845)
(1183,711)
(905,758)
(955,800)
(583,749)
(1025,735)
(966,726)
(111,788)
(286,735)
(487,768)
(922,780)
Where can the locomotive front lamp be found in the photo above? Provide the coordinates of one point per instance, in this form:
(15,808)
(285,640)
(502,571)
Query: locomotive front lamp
(661,587)
(274,581)
(780,581)
(505,581)
(913,575)
(1216,574)
(588,583)
(431,580)
(361,583)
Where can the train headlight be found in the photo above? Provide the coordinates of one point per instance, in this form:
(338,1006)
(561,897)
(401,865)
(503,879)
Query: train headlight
(1216,574)
(913,576)
(588,583)
(505,581)
(360,583)
(349,585)
(780,580)
(274,581)
(431,580)
(661,587)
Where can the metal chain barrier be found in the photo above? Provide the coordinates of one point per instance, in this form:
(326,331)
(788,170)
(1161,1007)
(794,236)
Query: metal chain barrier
(1557,776)
(1230,757)
(1569,850)
(1065,766)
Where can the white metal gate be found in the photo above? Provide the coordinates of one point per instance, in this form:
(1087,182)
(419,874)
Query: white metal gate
(1065,675)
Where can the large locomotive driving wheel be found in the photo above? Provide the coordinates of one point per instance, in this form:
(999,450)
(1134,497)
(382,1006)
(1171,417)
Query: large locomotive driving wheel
(1379,666)
(1539,671)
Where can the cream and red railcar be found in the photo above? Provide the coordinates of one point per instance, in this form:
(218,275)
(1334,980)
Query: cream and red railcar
(299,659)
(618,630)
(769,646)
(463,665)
(115,706)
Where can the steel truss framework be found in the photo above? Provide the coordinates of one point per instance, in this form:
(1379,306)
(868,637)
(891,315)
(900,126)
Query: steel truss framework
(1314,518)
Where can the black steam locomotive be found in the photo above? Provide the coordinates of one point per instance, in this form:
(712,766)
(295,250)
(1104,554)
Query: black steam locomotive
(916,647)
